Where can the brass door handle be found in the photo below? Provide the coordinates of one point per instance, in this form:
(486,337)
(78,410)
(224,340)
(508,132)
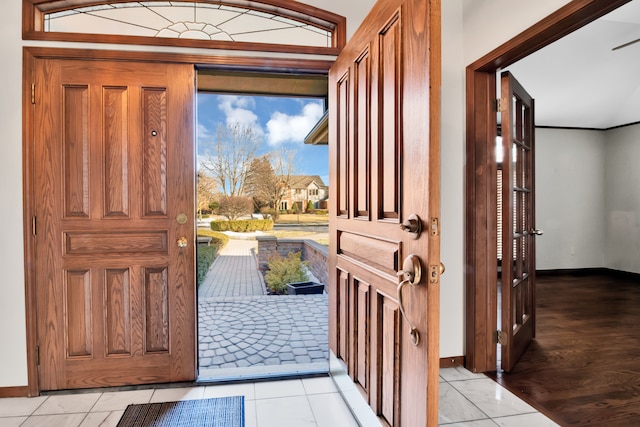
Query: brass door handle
(411,274)
(182,242)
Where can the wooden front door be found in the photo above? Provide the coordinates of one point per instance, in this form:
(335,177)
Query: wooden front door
(114,185)
(518,222)
(384,103)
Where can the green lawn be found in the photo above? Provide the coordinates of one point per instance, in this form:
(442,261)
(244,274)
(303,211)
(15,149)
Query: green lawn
(302,219)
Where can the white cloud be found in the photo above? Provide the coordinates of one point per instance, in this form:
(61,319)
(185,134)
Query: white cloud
(237,109)
(283,128)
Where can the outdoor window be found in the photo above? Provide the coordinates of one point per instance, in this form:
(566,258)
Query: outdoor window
(313,191)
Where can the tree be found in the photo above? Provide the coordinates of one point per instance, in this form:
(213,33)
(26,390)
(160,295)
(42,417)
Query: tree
(233,207)
(260,182)
(283,163)
(230,155)
(206,192)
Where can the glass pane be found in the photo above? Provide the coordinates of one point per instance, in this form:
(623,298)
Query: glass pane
(187,20)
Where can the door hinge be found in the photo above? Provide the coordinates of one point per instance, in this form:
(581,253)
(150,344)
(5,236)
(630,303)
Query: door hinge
(501,337)
(501,105)
(37,355)
(33,225)
(33,93)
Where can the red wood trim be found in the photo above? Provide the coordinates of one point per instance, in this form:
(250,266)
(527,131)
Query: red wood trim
(480,214)
(22,391)
(451,362)
(32,28)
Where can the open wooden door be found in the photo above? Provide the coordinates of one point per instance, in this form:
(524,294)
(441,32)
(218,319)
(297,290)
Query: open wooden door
(384,255)
(518,221)
(114,233)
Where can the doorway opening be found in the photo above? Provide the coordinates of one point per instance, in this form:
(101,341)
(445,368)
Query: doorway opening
(481,209)
(262,191)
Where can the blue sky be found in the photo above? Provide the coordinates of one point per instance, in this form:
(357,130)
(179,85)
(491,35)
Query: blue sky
(280,121)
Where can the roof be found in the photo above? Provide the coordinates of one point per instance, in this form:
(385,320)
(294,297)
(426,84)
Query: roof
(303,181)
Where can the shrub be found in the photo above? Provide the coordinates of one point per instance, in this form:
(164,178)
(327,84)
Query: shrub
(205,256)
(243,225)
(218,239)
(285,270)
(234,207)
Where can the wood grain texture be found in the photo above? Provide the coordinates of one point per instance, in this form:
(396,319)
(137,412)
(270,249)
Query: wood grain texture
(114,292)
(518,205)
(393,60)
(582,368)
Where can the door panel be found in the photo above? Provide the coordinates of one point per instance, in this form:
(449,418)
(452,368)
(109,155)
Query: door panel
(115,295)
(384,162)
(518,219)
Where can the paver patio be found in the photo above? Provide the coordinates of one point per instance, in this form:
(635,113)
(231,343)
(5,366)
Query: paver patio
(245,332)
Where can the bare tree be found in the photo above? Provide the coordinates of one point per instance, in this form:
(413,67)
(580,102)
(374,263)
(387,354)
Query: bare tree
(229,157)
(206,192)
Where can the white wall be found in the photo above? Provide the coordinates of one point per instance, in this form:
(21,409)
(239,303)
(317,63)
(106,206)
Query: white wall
(622,199)
(490,23)
(588,199)
(570,190)
(452,307)
(13,368)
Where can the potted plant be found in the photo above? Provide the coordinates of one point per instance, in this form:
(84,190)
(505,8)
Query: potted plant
(290,275)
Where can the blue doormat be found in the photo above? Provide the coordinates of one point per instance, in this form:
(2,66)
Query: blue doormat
(217,412)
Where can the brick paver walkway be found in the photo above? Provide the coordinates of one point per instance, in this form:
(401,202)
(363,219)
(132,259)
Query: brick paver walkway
(241,329)
(233,273)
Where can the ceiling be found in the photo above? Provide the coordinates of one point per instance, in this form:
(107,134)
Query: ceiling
(579,81)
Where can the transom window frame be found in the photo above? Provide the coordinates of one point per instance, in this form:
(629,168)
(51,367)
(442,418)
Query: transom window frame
(33,12)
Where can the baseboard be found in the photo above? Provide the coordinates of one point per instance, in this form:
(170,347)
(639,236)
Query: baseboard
(14,391)
(451,362)
(579,272)
(573,271)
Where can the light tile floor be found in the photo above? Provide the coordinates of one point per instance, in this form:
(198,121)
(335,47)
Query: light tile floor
(466,400)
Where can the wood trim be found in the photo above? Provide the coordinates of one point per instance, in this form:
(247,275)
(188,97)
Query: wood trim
(29,211)
(32,11)
(239,63)
(480,212)
(22,391)
(481,223)
(30,54)
(451,362)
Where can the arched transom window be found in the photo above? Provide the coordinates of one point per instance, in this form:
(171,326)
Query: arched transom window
(229,24)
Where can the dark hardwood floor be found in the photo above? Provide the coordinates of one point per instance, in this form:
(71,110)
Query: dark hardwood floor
(583,368)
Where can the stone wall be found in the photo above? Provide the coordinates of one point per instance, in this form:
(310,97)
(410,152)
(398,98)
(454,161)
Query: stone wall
(315,253)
